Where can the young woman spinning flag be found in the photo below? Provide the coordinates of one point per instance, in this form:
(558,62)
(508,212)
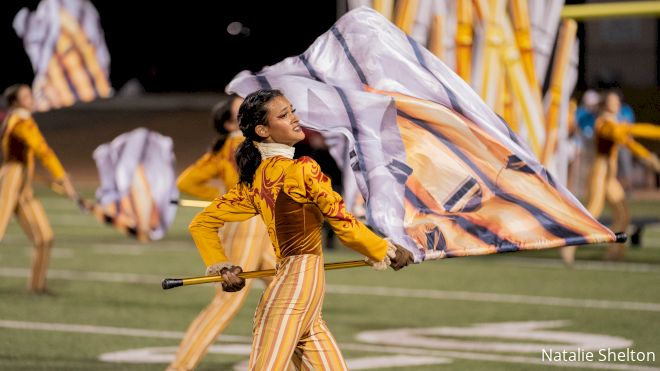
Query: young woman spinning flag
(292,197)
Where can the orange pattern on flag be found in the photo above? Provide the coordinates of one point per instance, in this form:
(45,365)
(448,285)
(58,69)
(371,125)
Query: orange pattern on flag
(488,200)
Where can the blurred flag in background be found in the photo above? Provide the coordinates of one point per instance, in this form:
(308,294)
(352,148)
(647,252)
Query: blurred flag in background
(66,46)
(138,192)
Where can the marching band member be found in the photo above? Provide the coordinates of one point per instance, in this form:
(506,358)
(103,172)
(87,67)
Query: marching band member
(292,197)
(21,142)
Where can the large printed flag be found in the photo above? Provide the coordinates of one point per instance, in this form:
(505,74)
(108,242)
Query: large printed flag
(138,185)
(66,46)
(503,49)
(442,174)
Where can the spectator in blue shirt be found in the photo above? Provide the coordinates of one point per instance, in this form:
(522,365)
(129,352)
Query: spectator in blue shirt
(586,113)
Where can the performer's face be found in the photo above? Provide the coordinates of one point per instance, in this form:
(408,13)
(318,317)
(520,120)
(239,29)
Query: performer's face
(24,98)
(612,103)
(283,124)
(232,123)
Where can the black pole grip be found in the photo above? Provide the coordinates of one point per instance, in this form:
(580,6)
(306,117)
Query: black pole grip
(621,237)
(169,283)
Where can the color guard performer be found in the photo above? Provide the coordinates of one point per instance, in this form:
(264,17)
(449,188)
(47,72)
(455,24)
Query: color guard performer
(21,142)
(292,197)
(609,136)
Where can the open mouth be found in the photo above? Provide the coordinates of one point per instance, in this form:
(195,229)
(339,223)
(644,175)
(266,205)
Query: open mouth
(297,128)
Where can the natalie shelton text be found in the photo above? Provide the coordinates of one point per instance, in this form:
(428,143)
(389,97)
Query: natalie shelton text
(600,355)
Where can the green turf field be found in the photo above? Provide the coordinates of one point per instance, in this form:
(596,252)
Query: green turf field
(485,313)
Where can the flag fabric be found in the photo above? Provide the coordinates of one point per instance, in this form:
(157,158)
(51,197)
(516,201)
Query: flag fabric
(65,43)
(138,183)
(340,150)
(567,146)
(545,17)
(503,49)
(442,174)
(420,30)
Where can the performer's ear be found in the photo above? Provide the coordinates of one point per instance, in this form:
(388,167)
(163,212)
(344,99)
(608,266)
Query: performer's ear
(262,131)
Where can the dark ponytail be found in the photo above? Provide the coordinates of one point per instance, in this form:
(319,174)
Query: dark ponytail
(248,159)
(220,114)
(253,112)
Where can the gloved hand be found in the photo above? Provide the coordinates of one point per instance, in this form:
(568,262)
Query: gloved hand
(67,187)
(400,257)
(229,272)
(652,162)
(396,257)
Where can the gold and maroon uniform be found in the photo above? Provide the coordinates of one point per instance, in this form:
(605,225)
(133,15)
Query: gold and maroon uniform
(21,142)
(292,197)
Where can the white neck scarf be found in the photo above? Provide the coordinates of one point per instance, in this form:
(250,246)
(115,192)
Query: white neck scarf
(275,149)
(22,112)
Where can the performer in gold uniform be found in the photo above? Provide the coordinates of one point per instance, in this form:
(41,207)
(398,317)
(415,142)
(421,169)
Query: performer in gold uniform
(292,197)
(603,182)
(247,242)
(21,142)
(609,136)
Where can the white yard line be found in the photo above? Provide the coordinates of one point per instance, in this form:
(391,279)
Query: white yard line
(60,253)
(581,265)
(106,330)
(492,297)
(138,249)
(650,242)
(370,291)
(393,361)
(87,276)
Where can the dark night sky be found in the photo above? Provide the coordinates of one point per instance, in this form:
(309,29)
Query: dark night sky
(184,45)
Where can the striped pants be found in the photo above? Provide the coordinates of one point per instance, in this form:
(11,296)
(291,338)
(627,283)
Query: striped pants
(288,328)
(248,245)
(18,198)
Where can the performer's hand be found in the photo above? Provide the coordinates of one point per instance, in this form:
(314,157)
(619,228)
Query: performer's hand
(396,257)
(67,187)
(229,272)
(231,281)
(400,257)
(652,162)
(86,205)
(378,265)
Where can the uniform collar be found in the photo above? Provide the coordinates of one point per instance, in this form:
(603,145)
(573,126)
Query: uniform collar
(22,112)
(275,149)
